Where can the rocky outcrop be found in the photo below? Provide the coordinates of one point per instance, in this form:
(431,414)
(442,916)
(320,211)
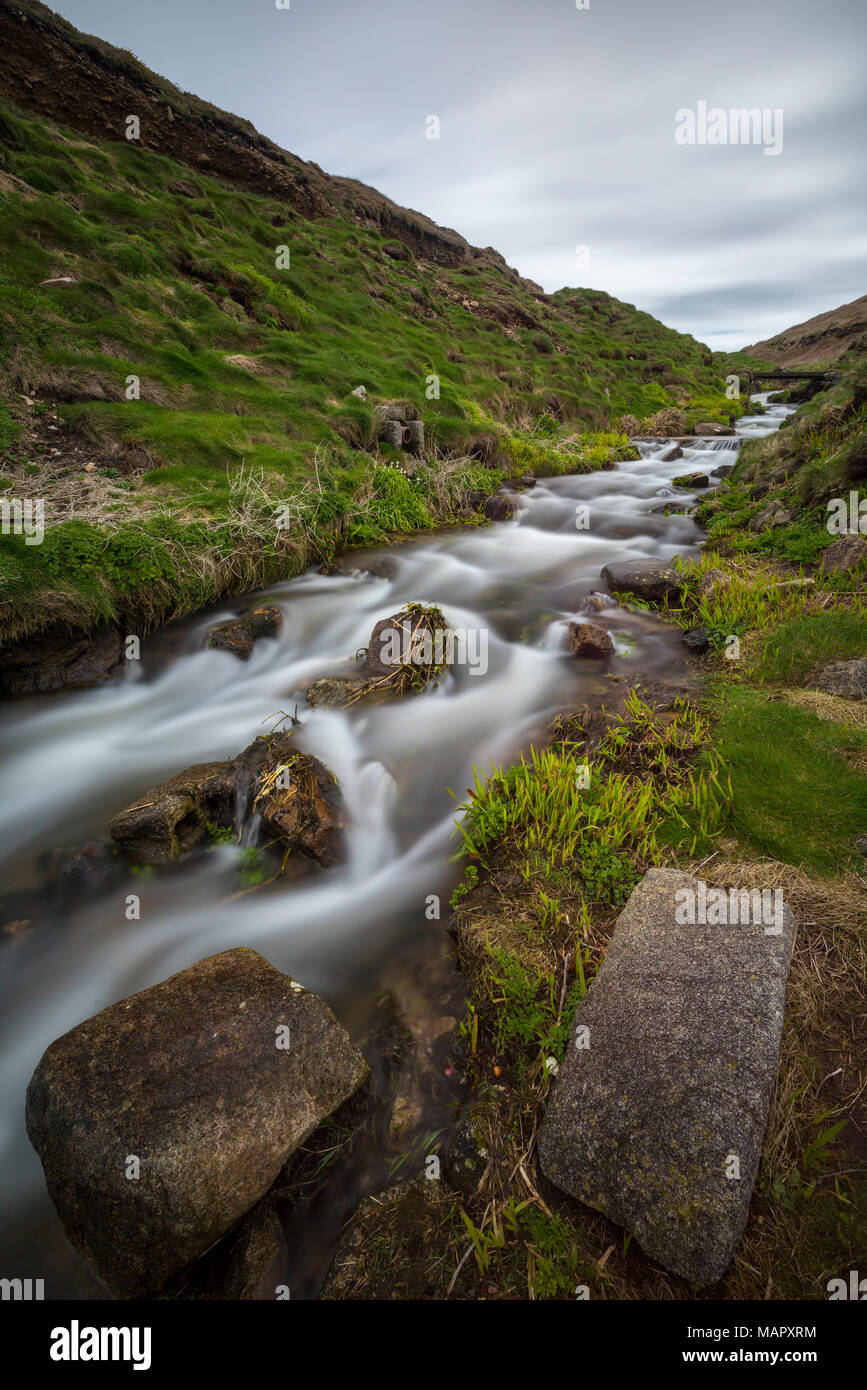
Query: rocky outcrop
(239,635)
(659,1110)
(846,679)
(649,579)
(165,1118)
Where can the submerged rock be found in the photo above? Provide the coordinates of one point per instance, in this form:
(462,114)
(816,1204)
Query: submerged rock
(587,639)
(650,579)
(185,1085)
(658,1112)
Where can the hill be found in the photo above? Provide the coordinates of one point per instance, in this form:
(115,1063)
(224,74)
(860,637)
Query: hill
(829,337)
(185,321)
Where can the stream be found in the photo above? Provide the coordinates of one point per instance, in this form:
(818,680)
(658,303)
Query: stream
(73,760)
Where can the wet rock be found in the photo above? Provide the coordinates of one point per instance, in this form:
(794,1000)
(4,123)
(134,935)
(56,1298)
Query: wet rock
(697,639)
(847,554)
(710,428)
(495,508)
(62,661)
(172,818)
(331,692)
(586,639)
(300,801)
(411,1221)
(650,579)
(258,1260)
(692,480)
(239,635)
(595,602)
(186,1077)
(675,452)
(658,1112)
(847,679)
(723,470)
(93,866)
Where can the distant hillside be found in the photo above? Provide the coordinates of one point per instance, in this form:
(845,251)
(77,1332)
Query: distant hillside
(826,338)
(170,283)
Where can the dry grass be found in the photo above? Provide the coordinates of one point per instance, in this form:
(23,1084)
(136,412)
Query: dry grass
(829,707)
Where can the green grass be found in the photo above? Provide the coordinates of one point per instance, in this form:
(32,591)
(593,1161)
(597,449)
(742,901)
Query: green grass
(170,288)
(813,639)
(795,798)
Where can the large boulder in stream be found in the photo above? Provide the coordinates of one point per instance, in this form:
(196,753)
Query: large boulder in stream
(165,1118)
(650,579)
(659,1110)
(297,796)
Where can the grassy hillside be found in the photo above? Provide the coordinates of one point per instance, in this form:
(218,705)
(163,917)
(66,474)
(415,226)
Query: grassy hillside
(245,372)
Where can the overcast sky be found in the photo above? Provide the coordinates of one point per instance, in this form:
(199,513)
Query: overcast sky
(557,130)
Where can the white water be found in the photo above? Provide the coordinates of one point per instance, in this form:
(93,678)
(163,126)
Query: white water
(73,760)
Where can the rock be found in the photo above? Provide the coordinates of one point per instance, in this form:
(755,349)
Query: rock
(762,520)
(692,480)
(360,392)
(331,692)
(495,508)
(758,491)
(258,1259)
(300,801)
(712,579)
(684,1025)
(781,517)
(297,796)
(93,866)
(586,639)
(847,679)
(861,844)
(185,1076)
(697,639)
(650,579)
(595,602)
(466,1157)
(723,470)
(182,188)
(847,553)
(172,818)
(675,452)
(68,661)
(238,635)
(709,427)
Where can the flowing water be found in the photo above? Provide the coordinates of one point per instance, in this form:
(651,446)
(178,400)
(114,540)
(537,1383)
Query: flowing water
(73,760)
